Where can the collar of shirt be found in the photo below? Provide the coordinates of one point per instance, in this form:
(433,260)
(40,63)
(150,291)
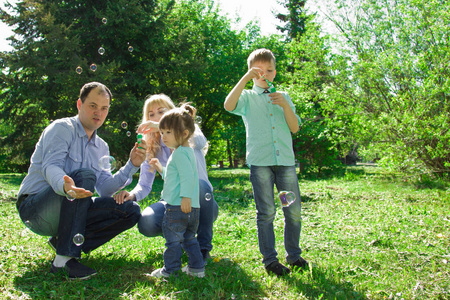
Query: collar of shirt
(258,90)
(81,132)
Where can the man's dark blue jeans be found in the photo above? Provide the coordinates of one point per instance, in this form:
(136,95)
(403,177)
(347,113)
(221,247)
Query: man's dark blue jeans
(97,219)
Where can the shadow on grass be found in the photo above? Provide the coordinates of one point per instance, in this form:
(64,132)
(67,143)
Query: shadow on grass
(321,284)
(12,179)
(122,277)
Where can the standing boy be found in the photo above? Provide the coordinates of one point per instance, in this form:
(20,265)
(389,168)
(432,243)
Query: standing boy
(269,119)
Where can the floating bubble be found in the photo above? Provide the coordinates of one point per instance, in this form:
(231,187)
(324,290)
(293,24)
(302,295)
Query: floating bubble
(130,48)
(207,196)
(45,78)
(198,119)
(107,163)
(93,67)
(101,50)
(128,133)
(78,239)
(27,223)
(71,195)
(124,125)
(79,70)
(286,198)
(105,20)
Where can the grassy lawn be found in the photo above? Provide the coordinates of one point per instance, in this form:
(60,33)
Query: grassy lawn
(368,235)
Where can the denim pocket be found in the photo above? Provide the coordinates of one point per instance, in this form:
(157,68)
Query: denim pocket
(175,219)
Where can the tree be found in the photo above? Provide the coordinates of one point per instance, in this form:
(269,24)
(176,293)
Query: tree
(316,143)
(57,49)
(184,49)
(294,19)
(393,79)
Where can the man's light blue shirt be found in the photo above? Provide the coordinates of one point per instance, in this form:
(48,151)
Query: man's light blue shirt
(64,147)
(269,140)
(181,177)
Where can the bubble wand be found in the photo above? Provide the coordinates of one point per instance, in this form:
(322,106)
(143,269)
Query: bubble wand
(271,88)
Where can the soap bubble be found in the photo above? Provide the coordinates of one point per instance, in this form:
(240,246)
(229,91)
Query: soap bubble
(107,163)
(105,20)
(124,125)
(128,133)
(93,67)
(286,198)
(130,48)
(79,70)
(101,50)
(27,223)
(207,196)
(71,195)
(78,239)
(198,119)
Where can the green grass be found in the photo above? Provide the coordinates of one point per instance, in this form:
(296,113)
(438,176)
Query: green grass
(369,235)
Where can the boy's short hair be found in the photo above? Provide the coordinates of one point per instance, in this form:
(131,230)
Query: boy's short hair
(260,55)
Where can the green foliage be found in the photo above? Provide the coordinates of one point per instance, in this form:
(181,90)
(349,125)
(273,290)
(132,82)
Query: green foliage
(316,145)
(393,79)
(295,20)
(184,49)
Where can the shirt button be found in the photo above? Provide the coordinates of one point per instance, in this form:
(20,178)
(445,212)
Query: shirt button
(274,141)
(270,114)
(273,127)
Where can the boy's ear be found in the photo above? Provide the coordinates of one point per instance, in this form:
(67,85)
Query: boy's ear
(79,103)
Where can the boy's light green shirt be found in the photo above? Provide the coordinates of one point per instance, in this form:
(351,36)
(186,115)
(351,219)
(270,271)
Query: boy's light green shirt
(181,177)
(269,140)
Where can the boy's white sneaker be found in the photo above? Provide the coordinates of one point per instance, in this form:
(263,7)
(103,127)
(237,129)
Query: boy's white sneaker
(188,271)
(159,273)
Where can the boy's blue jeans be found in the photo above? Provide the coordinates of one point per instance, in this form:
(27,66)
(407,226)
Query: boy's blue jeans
(179,230)
(150,223)
(49,214)
(263,180)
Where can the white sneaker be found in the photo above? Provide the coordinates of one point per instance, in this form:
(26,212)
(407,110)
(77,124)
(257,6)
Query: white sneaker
(159,273)
(188,271)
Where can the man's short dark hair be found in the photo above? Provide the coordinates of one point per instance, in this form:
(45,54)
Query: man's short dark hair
(88,87)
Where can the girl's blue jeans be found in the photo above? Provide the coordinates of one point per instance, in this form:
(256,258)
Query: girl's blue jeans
(179,230)
(150,223)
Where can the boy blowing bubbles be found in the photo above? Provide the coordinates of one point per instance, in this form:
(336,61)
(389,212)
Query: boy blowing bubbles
(269,119)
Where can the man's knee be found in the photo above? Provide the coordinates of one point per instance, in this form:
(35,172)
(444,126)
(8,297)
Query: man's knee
(147,225)
(84,178)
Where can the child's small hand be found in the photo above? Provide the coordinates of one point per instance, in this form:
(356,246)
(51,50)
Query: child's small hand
(186,205)
(149,126)
(278,99)
(254,73)
(154,163)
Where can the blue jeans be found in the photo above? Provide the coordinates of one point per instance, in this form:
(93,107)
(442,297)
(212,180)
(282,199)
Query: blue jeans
(150,224)
(263,180)
(179,230)
(49,214)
